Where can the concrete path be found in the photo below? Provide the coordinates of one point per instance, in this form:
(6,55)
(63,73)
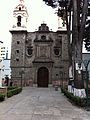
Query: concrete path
(40,104)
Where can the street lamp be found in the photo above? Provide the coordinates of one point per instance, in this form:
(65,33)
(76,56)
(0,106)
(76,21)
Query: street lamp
(1,65)
(86,63)
(21,73)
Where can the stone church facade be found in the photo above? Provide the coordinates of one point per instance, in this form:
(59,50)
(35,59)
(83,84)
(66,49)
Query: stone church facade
(39,57)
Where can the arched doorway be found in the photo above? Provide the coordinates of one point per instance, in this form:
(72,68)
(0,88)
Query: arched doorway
(42,77)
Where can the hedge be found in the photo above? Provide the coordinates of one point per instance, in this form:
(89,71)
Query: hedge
(2,97)
(75,99)
(11,88)
(14,91)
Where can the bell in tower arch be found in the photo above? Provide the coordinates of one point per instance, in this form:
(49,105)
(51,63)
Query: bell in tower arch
(19,21)
(20,15)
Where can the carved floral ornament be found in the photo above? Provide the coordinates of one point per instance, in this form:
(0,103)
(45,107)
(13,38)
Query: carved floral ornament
(29,51)
(57,51)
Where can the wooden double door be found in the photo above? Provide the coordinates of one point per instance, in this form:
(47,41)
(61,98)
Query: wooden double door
(43,77)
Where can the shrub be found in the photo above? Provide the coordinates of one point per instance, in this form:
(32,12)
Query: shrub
(2,97)
(75,99)
(14,91)
(11,87)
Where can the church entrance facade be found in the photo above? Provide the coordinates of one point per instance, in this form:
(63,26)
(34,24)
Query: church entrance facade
(42,55)
(42,77)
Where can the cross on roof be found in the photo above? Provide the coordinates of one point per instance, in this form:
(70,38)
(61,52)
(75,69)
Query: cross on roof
(22,1)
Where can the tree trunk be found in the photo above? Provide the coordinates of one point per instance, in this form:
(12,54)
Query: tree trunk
(78,28)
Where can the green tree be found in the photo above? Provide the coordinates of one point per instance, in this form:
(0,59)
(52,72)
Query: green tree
(87,30)
(73,12)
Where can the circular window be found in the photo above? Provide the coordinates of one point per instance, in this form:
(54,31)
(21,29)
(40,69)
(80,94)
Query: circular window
(29,51)
(56,51)
(43,37)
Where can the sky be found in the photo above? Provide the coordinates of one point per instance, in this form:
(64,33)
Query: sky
(38,13)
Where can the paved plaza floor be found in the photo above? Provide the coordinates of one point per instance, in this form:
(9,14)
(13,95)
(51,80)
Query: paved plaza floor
(41,104)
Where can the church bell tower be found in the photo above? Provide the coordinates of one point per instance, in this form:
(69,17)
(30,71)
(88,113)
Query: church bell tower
(19,35)
(20,15)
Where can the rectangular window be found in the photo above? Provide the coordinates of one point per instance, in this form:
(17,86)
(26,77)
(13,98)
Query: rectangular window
(17,51)
(3,48)
(18,42)
(2,51)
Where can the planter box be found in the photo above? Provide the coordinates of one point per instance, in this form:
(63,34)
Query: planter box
(3,90)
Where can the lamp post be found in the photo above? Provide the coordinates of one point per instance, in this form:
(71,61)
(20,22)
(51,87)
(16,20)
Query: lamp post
(61,76)
(21,73)
(86,63)
(1,65)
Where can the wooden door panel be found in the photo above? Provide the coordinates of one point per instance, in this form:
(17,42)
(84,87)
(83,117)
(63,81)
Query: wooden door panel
(43,77)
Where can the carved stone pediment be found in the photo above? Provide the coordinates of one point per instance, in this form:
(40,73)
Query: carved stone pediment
(43,60)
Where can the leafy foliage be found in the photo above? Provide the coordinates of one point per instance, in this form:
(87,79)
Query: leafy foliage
(87,30)
(14,91)
(2,97)
(74,99)
(56,3)
(51,3)
(66,6)
(11,87)
(61,5)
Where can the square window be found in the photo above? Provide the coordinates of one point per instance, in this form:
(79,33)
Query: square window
(17,51)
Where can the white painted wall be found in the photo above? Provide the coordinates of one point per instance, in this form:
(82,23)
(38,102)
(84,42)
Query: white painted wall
(6,70)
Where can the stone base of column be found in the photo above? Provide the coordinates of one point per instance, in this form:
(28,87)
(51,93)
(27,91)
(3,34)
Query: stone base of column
(70,89)
(79,92)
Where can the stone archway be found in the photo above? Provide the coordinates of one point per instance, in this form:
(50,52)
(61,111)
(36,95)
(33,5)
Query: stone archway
(42,77)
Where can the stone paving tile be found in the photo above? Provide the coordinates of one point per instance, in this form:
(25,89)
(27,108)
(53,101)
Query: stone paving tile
(78,119)
(40,104)
(42,117)
(21,111)
(55,111)
(16,117)
(41,110)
